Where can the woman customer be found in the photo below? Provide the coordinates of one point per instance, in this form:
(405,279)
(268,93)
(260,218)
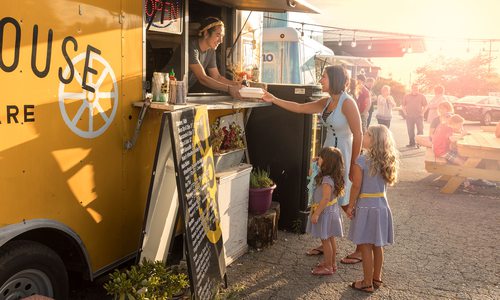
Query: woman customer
(385,103)
(340,116)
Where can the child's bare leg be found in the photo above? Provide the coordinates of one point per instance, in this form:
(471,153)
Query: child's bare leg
(459,161)
(367,255)
(353,258)
(334,251)
(423,140)
(327,253)
(378,261)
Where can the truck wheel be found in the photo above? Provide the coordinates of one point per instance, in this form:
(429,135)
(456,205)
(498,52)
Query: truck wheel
(30,268)
(486,121)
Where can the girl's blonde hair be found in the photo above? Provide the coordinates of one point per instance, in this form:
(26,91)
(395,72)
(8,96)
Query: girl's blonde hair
(333,166)
(456,119)
(383,155)
(445,106)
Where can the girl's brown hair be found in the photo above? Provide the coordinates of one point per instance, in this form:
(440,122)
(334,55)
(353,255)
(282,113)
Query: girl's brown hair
(333,166)
(337,79)
(383,154)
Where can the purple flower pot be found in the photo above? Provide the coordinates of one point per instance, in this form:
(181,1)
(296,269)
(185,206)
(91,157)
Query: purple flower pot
(259,200)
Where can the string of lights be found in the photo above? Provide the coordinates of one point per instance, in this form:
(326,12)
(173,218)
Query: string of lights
(344,34)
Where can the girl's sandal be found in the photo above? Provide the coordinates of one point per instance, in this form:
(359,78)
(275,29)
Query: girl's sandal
(322,264)
(377,284)
(366,289)
(321,271)
(314,251)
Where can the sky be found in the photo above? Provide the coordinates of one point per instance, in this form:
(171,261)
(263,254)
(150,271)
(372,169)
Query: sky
(450,22)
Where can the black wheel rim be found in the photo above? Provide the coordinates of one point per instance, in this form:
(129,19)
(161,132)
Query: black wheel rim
(26,283)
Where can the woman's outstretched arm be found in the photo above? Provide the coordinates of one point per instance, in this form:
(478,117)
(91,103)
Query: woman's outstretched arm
(304,108)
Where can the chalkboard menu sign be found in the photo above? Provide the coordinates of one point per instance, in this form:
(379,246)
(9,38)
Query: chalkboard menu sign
(197,186)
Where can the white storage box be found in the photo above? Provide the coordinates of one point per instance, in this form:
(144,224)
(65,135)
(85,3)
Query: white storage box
(232,191)
(251,92)
(230,159)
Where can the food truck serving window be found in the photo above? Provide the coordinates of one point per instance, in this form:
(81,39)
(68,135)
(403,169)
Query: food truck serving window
(267,5)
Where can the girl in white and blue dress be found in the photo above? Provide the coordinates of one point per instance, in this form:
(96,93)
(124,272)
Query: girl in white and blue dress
(371,225)
(324,220)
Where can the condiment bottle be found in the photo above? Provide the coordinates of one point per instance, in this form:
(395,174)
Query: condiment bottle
(172,75)
(165,88)
(173,88)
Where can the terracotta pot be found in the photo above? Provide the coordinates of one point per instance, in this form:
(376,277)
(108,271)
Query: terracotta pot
(259,200)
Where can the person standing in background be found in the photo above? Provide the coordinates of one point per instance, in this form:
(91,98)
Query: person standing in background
(370,82)
(414,105)
(434,103)
(363,100)
(385,103)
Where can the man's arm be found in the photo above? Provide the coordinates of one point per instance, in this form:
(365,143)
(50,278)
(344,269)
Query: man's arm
(403,105)
(220,83)
(424,104)
(214,73)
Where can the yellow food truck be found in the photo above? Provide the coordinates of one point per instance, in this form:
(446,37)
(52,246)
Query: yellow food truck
(73,187)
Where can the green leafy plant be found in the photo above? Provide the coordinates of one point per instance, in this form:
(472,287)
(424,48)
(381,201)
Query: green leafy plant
(232,293)
(260,179)
(149,280)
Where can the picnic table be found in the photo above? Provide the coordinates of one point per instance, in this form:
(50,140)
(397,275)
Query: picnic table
(481,150)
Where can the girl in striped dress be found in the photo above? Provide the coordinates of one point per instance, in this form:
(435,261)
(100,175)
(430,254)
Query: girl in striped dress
(324,221)
(371,226)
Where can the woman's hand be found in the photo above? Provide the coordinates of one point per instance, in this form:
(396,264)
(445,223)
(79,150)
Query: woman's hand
(350,212)
(315,218)
(268,97)
(350,172)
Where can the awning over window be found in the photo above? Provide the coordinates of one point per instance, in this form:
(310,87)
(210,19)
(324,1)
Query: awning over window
(267,5)
(378,47)
(347,60)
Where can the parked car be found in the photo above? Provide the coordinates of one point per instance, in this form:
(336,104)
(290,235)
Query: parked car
(485,109)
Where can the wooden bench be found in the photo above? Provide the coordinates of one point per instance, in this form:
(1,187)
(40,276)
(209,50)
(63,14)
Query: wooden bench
(431,160)
(440,166)
(481,162)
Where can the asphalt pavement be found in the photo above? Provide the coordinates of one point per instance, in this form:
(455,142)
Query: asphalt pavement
(446,246)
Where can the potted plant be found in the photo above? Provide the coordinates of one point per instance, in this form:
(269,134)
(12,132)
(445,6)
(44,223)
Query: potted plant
(149,280)
(227,140)
(260,192)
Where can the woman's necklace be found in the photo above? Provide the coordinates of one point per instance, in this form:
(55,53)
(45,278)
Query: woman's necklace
(333,103)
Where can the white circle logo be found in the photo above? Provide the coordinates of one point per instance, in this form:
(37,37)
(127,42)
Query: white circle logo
(89,114)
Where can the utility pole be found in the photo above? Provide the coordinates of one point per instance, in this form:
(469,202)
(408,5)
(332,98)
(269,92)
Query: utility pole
(489,59)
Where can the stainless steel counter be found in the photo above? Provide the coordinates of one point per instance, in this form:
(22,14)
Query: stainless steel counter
(212,103)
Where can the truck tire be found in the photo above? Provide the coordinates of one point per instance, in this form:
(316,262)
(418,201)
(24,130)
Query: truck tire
(30,268)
